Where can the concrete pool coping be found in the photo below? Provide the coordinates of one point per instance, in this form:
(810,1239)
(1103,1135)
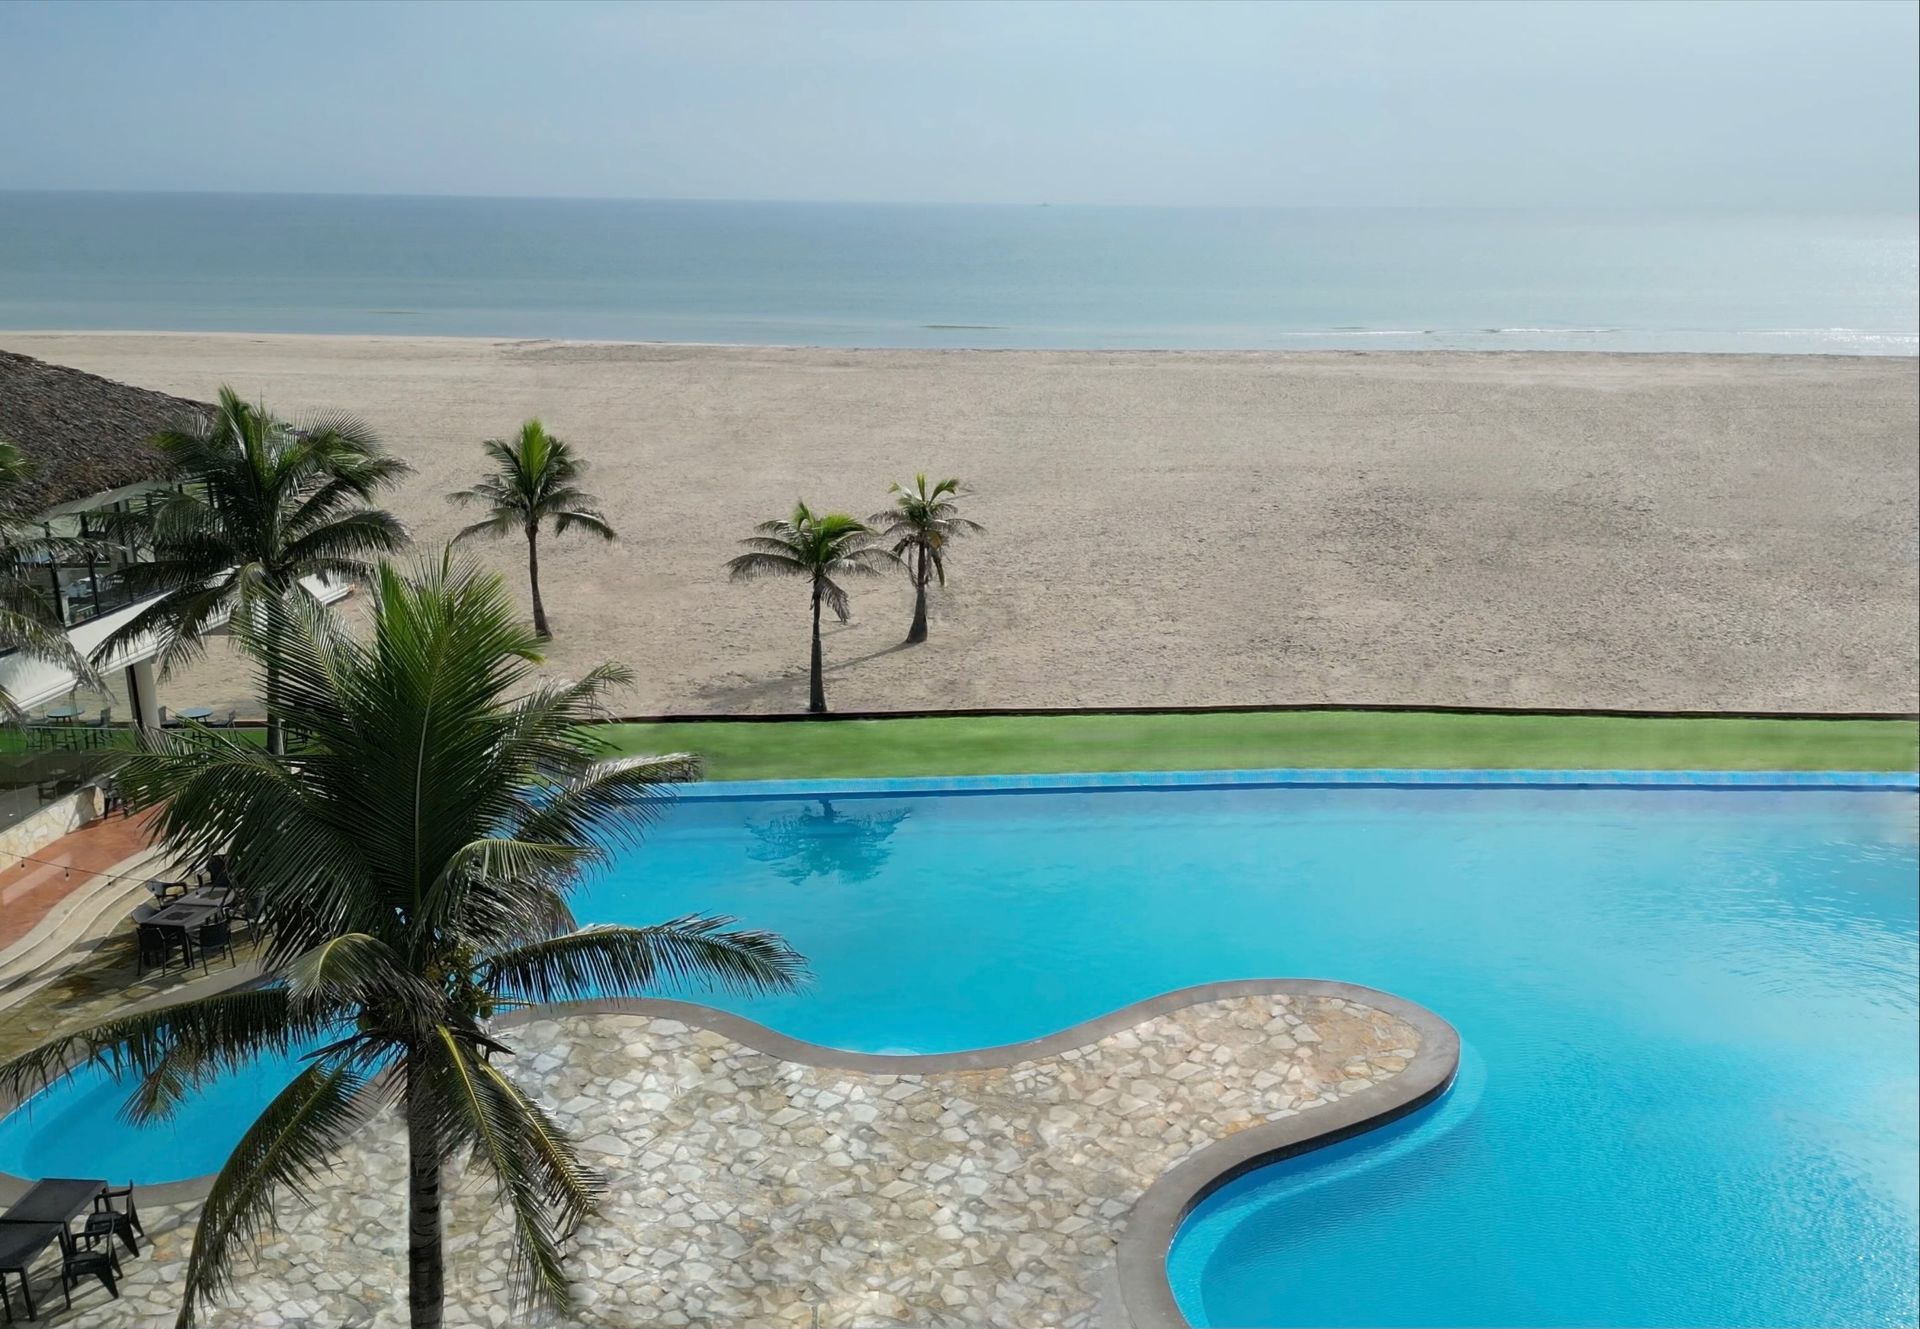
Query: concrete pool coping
(1145,1293)
(1146,1234)
(704,791)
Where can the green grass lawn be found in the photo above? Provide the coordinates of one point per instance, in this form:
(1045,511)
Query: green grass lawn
(979,745)
(1008,744)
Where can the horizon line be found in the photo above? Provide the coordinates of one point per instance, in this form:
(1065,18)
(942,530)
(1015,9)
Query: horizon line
(103,191)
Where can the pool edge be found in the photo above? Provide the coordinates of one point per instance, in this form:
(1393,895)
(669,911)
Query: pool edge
(1144,1292)
(706,791)
(759,1038)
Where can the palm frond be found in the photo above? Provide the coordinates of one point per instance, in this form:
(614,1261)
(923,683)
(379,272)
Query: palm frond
(531,483)
(747,567)
(286,1149)
(356,969)
(615,799)
(172,1048)
(586,519)
(612,961)
(545,1188)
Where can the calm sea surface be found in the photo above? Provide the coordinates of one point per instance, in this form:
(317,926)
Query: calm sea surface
(938,276)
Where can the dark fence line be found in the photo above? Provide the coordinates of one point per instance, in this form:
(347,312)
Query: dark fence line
(1375,708)
(787,717)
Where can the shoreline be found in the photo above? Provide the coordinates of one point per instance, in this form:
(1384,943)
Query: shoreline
(1566,529)
(505,339)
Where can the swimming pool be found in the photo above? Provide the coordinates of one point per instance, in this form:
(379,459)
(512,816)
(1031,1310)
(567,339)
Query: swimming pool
(1690,1083)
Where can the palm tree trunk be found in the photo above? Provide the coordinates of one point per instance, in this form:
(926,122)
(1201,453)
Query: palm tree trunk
(533,579)
(918,632)
(426,1253)
(817,684)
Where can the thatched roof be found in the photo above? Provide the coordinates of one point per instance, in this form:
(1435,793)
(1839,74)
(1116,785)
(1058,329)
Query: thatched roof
(85,434)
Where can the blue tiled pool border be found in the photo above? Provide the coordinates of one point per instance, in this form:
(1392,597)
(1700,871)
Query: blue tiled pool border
(1384,777)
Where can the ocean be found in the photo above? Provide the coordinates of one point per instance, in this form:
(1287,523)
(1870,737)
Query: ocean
(951,276)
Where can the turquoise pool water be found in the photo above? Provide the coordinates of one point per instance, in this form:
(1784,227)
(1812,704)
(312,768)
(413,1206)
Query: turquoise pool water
(1691,1079)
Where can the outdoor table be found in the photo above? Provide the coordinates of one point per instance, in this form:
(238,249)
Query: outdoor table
(184,916)
(64,713)
(195,712)
(54,1200)
(37,1218)
(20,1245)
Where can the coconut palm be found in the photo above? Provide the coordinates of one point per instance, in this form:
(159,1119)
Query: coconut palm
(534,480)
(819,547)
(264,504)
(920,525)
(29,620)
(412,867)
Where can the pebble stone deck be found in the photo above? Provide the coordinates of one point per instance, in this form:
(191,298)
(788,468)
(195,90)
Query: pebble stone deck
(752,1191)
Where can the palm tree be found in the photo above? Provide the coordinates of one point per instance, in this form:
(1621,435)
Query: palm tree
(413,867)
(534,480)
(920,525)
(819,547)
(265,503)
(29,620)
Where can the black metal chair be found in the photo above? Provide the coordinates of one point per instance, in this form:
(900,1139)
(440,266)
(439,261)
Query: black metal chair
(116,1220)
(155,944)
(113,798)
(78,1261)
(105,1200)
(216,934)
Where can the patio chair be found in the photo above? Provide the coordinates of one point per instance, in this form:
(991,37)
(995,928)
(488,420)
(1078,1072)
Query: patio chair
(155,945)
(218,723)
(111,1221)
(100,730)
(216,934)
(108,1200)
(78,1262)
(168,721)
(112,798)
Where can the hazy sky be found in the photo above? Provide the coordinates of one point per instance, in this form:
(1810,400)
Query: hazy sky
(1693,104)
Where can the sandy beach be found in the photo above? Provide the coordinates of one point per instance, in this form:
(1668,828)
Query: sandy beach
(1689,532)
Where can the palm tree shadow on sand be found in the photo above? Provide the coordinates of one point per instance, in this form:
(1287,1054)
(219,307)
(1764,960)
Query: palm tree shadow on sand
(826,842)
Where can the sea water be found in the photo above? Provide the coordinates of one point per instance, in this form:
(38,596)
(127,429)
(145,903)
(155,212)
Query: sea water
(954,276)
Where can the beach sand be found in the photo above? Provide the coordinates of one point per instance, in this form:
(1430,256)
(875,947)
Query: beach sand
(1598,530)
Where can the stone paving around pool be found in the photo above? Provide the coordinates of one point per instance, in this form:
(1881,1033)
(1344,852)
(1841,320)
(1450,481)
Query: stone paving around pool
(748,1190)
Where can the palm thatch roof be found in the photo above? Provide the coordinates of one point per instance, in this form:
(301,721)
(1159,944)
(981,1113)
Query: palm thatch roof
(84,434)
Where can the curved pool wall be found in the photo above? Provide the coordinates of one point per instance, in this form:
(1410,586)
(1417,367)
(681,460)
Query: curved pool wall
(1266,1200)
(1694,994)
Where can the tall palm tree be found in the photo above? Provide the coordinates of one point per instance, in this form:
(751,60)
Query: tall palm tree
(819,547)
(920,525)
(534,480)
(264,504)
(29,621)
(412,867)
